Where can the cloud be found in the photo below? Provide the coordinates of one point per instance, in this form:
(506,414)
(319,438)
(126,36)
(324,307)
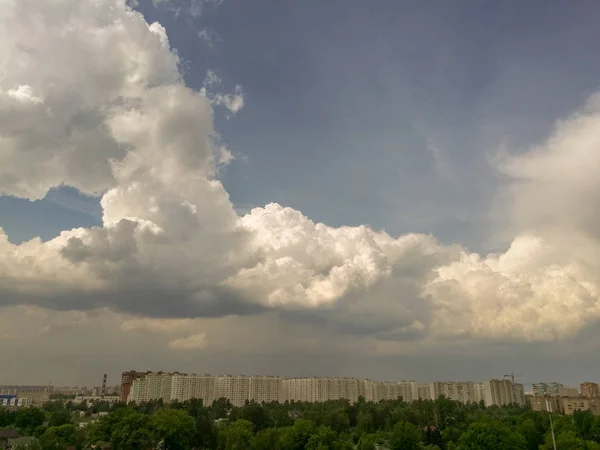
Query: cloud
(120,123)
(210,37)
(193,8)
(192,342)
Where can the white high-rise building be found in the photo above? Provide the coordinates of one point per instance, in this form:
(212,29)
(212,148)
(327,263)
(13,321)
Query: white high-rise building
(316,389)
(234,387)
(185,387)
(503,392)
(460,391)
(265,389)
(151,386)
(479,392)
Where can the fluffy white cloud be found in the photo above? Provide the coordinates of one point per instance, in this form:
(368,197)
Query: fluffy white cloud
(120,122)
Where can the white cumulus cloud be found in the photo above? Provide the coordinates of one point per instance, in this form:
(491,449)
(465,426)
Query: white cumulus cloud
(91,97)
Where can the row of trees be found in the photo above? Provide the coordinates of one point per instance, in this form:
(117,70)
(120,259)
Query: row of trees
(335,425)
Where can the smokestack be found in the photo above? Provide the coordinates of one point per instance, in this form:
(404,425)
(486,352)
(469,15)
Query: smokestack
(103,391)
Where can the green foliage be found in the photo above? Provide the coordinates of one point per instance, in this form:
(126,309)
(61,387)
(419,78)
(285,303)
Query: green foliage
(492,436)
(59,417)
(334,425)
(267,439)
(133,430)
(405,436)
(238,436)
(174,428)
(368,442)
(59,438)
(28,419)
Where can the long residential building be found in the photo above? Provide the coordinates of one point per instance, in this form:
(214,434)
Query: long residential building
(145,386)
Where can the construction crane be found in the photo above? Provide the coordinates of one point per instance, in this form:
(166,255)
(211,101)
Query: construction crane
(512,376)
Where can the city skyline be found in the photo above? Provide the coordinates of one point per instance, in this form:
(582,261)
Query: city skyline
(392,190)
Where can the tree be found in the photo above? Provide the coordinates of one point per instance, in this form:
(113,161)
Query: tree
(7,417)
(364,422)
(568,440)
(296,437)
(368,442)
(59,438)
(132,431)
(27,419)
(255,413)
(533,438)
(238,435)
(59,417)
(324,438)
(267,439)
(491,435)
(221,408)
(205,435)
(405,437)
(337,420)
(174,427)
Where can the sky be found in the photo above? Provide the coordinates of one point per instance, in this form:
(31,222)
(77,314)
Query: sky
(393,190)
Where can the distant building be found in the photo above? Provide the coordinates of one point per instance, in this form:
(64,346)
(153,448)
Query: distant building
(479,392)
(127,379)
(565,405)
(589,389)
(460,391)
(12,400)
(570,392)
(570,405)
(503,392)
(548,404)
(375,391)
(96,398)
(548,389)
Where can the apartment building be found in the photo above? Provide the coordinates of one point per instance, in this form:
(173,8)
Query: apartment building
(503,392)
(185,387)
(589,389)
(569,391)
(266,389)
(548,404)
(552,389)
(151,386)
(565,405)
(461,391)
(127,379)
(419,391)
(479,392)
(375,391)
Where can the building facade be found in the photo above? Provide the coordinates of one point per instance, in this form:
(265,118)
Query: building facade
(460,391)
(552,389)
(503,392)
(589,389)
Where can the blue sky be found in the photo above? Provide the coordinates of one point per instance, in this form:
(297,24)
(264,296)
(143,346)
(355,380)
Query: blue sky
(383,113)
